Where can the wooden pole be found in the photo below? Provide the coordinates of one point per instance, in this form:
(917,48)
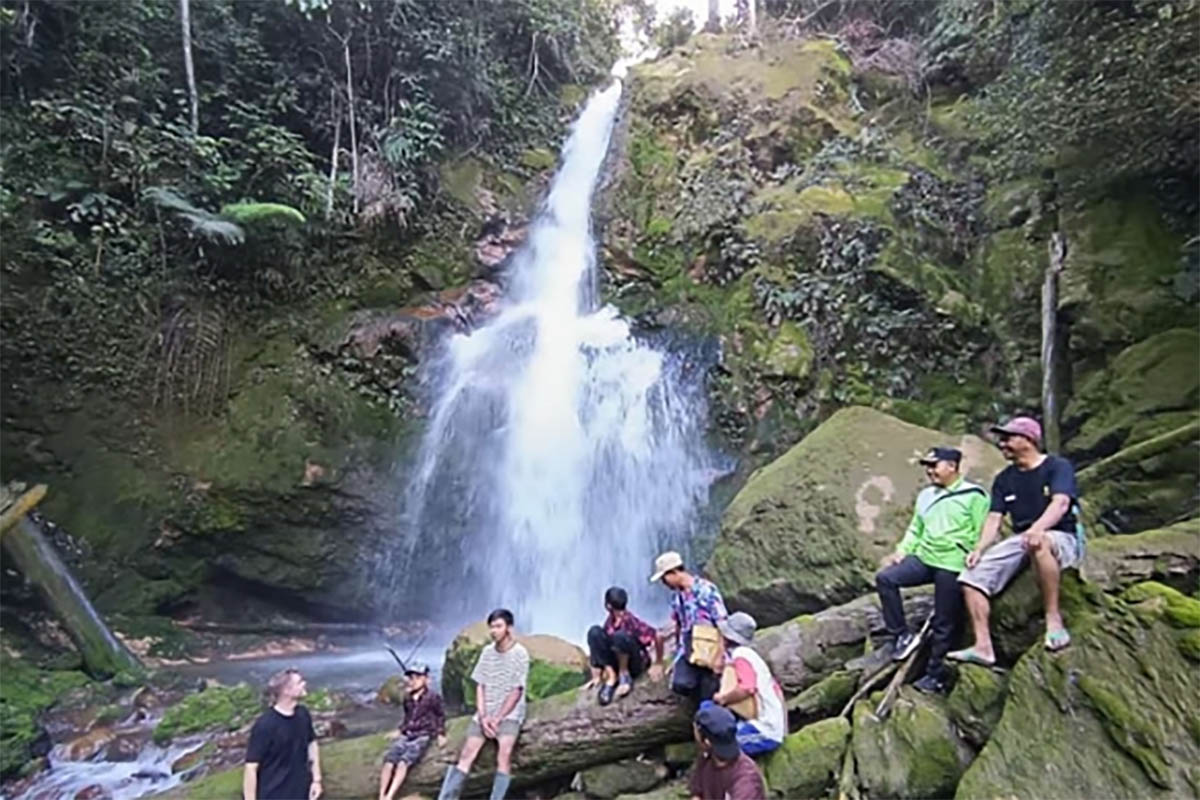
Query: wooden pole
(1051,357)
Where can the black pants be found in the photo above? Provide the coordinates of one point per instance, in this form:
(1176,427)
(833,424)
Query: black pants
(604,649)
(947,605)
(691,681)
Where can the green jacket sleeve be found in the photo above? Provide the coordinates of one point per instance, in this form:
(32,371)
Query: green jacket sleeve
(978,510)
(916,528)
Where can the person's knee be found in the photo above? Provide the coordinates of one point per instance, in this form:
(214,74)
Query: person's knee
(884,580)
(596,635)
(624,642)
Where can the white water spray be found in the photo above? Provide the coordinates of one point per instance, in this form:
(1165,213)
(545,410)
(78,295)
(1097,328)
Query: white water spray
(561,452)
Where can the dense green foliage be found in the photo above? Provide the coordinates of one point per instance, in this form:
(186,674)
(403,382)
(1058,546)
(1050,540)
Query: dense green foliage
(25,692)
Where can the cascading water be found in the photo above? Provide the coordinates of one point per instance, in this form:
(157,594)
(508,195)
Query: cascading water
(561,453)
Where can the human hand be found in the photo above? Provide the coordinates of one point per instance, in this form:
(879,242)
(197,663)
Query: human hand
(655,673)
(1032,539)
(314,790)
(890,560)
(441,740)
(394,733)
(973,558)
(489,726)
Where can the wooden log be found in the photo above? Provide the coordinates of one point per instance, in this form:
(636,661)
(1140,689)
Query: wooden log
(103,655)
(21,506)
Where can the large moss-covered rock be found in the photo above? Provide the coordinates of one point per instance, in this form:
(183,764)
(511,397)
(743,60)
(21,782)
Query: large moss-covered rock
(976,701)
(630,776)
(1111,716)
(807,530)
(826,697)
(914,753)
(807,763)
(555,665)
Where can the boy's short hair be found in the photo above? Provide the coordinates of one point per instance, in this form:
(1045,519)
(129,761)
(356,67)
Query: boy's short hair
(501,613)
(277,681)
(616,598)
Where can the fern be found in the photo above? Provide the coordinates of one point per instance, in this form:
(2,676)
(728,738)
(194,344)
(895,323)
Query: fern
(204,223)
(251,213)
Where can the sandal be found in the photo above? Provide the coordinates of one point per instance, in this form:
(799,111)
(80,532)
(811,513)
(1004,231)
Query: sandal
(1057,640)
(606,694)
(624,686)
(971,656)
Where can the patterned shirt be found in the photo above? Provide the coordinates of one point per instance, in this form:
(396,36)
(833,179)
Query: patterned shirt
(424,716)
(500,673)
(635,627)
(701,603)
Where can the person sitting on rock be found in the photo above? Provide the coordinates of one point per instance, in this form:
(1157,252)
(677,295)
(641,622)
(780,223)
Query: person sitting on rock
(282,758)
(424,719)
(619,651)
(500,676)
(722,771)
(749,689)
(1038,493)
(945,526)
(697,602)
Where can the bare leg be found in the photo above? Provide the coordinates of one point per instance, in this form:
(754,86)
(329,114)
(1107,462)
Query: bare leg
(398,776)
(504,751)
(623,664)
(469,753)
(979,607)
(1045,569)
(385,780)
(610,676)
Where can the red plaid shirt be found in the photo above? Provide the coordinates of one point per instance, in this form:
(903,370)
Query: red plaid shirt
(635,626)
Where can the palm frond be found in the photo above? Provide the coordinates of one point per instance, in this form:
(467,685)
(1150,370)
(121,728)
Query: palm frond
(251,213)
(203,223)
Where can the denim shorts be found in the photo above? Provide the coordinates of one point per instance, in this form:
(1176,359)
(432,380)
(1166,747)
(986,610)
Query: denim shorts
(407,750)
(1001,562)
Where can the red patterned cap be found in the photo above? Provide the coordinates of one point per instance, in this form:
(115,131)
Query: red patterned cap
(1022,426)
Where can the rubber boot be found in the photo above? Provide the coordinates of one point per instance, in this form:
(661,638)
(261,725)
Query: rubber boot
(500,785)
(452,784)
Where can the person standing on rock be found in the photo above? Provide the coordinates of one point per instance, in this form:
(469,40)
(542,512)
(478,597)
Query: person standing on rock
(753,695)
(282,759)
(619,651)
(722,771)
(696,608)
(500,676)
(424,719)
(1038,493)
(945,526)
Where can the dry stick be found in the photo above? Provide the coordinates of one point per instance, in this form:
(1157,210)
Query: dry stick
(869,684)
(889,696)
(847,790)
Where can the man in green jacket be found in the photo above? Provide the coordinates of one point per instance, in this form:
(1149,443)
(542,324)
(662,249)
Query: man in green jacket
(946,522)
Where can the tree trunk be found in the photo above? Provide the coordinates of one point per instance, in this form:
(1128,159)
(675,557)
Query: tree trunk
(353,130)
(103,655)
(333,159)
(1051,346)
(714,17)
(189,70)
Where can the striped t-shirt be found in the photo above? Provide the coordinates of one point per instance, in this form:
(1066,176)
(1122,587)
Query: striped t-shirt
(500,673)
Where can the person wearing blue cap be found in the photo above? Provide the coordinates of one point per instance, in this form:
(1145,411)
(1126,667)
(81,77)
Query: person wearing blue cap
(424,719)
(945,526)
(722,771)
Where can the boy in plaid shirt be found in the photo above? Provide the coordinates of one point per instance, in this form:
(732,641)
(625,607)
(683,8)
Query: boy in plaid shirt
(620,649)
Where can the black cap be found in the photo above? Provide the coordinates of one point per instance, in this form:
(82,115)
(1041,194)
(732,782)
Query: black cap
(937,454)
(718,725)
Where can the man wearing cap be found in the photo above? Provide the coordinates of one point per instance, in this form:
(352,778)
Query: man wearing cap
(763,722)
(696,600)
(945,526)
(722,771)
(424,719)
(1038,493)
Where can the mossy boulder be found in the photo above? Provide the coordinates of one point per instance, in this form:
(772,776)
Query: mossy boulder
(976,702)
(25,692)
(225,708)
(807,530)
(807,763)
(555,665)
(915,752)
(825,697)
(1111,716)
(630,776)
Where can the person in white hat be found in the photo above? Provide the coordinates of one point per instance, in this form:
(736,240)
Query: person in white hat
(761,730)
(695,601)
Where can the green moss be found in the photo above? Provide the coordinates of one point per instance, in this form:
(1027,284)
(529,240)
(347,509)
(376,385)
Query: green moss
(913,753)
(548,679)
(827,696)
(976,702)
(807,763)
(1128,729)
(788,354)
(25,692)
(539,158)
(1189,645)
(216,708)
(1179,610)
(461,179)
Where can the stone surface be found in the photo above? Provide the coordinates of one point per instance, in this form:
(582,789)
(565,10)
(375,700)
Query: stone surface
(631,776)
(826,697)
(913,753)
(807,763)
(807,530)
(680,754)
(976,702)
(555,665)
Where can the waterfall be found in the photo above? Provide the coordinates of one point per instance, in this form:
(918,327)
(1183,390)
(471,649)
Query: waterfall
(561,454)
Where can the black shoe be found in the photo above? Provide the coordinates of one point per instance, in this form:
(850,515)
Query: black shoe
(905,644)
(930,685)
(606,693)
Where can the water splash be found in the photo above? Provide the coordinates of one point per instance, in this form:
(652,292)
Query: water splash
(562,454)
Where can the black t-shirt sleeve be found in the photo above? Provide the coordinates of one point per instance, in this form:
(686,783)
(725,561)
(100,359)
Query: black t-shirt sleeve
(999,492)
(309,733)
(260,738)
(1062,478)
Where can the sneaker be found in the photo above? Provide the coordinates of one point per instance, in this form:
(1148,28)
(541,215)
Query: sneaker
(930,685)
(905,644)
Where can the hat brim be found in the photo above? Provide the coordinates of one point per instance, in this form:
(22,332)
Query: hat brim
(729,633)
(1011,432)
(727,750)
(928,462)
(658,576)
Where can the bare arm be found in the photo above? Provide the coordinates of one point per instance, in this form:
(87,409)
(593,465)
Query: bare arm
(250,782)
(314,760)
(991,529)
(480,701)
(658,650)
(735,695)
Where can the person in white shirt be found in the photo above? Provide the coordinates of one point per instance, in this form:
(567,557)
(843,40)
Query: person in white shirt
(764,731)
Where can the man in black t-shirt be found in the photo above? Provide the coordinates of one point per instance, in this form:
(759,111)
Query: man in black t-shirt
(282,762)
(1038,493)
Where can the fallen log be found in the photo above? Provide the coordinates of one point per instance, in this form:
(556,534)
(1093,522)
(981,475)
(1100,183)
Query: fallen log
(102,653)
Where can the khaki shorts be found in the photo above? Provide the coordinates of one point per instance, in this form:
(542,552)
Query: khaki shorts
(1004,560)
(507,727)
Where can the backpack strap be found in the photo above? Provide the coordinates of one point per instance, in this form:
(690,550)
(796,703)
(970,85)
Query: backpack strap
(957,493)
